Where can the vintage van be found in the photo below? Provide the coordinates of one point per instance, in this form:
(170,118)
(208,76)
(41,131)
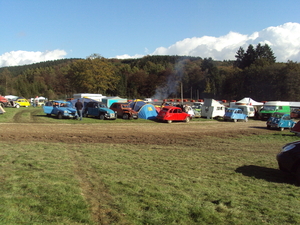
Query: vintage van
(248,110)
(273,106)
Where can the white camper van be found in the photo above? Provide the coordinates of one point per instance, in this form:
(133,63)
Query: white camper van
(247,109)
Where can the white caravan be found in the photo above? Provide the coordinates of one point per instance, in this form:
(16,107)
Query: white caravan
(212,108)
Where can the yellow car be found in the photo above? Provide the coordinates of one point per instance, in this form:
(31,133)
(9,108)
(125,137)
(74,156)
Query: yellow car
(23,102)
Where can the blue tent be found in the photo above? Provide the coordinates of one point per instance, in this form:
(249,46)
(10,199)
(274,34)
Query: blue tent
(148,112)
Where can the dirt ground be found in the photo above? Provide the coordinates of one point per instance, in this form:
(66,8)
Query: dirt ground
(135,133)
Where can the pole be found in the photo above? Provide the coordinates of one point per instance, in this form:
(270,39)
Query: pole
(181,94)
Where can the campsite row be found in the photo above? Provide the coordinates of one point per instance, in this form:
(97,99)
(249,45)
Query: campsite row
(112,107)
(104,107)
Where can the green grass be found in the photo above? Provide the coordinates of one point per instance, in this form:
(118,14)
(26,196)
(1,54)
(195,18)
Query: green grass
(222,181)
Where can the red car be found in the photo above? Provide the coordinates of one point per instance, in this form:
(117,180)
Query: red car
(171,113)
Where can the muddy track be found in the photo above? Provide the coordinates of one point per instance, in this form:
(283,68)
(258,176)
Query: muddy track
(20,118)
(94,191)
(33,115)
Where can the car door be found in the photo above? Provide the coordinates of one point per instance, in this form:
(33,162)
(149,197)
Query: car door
(94,108)
(180,115)
(170,115)
(117,108)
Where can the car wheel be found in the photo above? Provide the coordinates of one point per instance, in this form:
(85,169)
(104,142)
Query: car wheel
(101,117)
(235,120)
(125,116)
(169,121)
(85,114)
(281,128)
(246,119)
(17,106)
(187,119)
(59,116)
(48,115)
(268,127)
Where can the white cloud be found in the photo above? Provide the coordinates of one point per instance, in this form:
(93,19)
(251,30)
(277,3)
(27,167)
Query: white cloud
(126,56)
(14,58)
(284,40)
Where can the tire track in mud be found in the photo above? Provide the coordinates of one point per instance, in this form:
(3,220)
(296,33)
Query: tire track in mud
(33,115)
(94,191)
(18,117)
(32,118)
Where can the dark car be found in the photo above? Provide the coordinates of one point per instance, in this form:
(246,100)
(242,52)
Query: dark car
(99,110)
(289,159)
(124,110)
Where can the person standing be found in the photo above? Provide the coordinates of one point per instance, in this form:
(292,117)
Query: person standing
(79,107)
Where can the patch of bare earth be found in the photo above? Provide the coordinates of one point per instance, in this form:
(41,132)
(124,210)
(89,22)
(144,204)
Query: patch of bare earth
(148,133)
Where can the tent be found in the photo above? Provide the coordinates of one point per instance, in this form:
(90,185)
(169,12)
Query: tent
(148,112)
(83,100)
(249,101)
(145,110)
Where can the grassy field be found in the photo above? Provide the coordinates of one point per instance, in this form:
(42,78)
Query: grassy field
(231,180)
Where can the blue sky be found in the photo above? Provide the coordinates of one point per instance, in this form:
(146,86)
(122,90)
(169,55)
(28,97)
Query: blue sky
(40,30)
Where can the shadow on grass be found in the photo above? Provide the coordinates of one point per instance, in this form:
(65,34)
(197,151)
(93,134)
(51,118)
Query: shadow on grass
(267,174)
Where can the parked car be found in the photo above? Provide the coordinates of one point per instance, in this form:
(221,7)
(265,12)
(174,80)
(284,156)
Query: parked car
(296,129)
(60,109)
(23,102)
(280,121)
(197,114)
(172,113)
(124,111)
(235,114)
(3,101)
(99,109)
(295,113)
(289,159)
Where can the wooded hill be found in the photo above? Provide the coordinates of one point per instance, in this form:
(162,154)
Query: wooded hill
(255,73)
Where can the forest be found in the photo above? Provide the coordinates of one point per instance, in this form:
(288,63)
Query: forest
(255,73)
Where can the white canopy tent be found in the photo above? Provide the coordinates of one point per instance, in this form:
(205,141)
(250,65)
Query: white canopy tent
(249,101)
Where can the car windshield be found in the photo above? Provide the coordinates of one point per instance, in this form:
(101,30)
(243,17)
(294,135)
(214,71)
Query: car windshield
(65,104)
(125,106)
(196,106)
(102,106)
(269,108)
(229,110)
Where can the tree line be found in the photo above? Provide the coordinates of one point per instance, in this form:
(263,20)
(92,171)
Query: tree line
(255,73)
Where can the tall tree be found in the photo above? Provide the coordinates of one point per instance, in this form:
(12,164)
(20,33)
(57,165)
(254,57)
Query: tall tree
(94,74)
(261,55)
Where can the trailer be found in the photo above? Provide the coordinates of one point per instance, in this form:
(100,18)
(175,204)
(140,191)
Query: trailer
(97,97)
(212,108)
(108,101)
